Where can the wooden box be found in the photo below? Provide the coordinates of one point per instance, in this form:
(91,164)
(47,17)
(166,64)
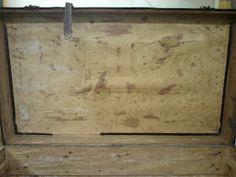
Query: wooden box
(132,92)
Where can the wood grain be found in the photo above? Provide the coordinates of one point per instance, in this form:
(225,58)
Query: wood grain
(123,176)
(118,77)
(4,163)
(117,160)
(6,111)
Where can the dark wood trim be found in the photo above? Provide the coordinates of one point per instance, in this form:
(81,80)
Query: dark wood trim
(122,10)
(6,110)
(229,112)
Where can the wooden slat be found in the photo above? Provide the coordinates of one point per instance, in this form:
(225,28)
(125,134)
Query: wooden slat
(121,140)
(126,176)
(117,160)
(206,12)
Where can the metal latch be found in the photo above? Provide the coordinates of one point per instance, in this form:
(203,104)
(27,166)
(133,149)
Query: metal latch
(68,21)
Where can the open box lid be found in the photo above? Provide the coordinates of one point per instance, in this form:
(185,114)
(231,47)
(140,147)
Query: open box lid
(120,74)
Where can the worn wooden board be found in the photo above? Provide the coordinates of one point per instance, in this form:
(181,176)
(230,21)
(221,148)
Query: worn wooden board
(117,160)
(118,77)
(123,176)
(4,163)
(5,94)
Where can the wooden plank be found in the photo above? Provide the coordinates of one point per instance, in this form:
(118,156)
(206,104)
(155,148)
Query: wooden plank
(125,176)
(118,140)
(117,160)
(5,88)
(112,66)
(4,164)
(205,12)
(229,112)
(232,162)
(2,154)
(4,167)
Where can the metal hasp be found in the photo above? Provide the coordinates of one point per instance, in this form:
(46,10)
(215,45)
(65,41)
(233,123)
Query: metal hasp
(68,20)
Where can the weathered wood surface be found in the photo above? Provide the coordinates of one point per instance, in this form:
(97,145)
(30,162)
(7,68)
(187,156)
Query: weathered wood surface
(124,176)
(4,163)
(117,160)
(2,154)
(4,166)
(118,77)
(231,161)
(6,113)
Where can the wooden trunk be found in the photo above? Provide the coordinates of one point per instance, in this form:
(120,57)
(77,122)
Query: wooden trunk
(133,92)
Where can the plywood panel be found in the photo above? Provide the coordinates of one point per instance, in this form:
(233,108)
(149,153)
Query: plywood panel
(117,160)
(118,77)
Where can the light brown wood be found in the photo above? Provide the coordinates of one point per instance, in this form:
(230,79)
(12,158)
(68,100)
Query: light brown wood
(118,77)
(117,160)
(231,161)
(4,164)
(2,154)
(121,140)
(4,167)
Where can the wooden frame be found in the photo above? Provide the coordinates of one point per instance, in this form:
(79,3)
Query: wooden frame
(226,135)
(118,160)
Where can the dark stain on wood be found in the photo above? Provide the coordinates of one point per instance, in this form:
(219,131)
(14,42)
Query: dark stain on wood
(193,64)
(216,153)
(118,52)
(80,118)
(101,84)
(49,95)
(65,156)
(84,90)
(151,116)
(161,60)
(53,68)
(116,30)
(57,118)
(207,28)
(55,42)
(122,155)
(170,121)
(41,56)
(169,42)
(132,45)
(179,72)
(145,18)
(166,90)
(130,87)
(118,68)
(120,113)
(131,122)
